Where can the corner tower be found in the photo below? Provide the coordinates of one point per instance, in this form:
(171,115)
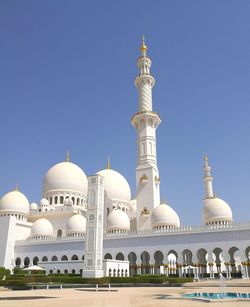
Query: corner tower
(146,122)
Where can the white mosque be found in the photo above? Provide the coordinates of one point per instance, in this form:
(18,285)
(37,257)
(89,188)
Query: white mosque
(85,224)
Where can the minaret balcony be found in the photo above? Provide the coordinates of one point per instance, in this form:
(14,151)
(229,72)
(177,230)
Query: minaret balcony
(145,212)
(157,180)
(144,179)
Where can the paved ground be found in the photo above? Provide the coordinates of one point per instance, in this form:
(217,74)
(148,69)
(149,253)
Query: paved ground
(118,297)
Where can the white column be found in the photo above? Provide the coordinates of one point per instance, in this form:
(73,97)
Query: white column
(94,230)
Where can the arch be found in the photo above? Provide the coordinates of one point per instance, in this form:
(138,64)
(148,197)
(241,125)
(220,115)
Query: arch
(172,258)
(51,271)
(132,258)
(73,199)
(35,260)
(81,270)
(187,257)
(18,262)
(56,199)
(54,258)
(64,258)
(247,253)
(217,253)
(235,261)
(61,200)
(59,233)
(108,256)
(26,261)
(120,256)
(145,265)
(110,272)
(83,256)
(73,271)
(45,258)
(158,258)
(108,211)
(74,257)
(114,273)
(66,271)
(78,201)
(58,271)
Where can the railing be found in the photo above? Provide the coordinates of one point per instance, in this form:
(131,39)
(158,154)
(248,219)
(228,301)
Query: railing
(144,233)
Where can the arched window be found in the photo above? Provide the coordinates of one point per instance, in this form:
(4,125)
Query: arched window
(54,258)
(73,200)
(35,260)
(65,271)
(82,257)
(18,262)
(26,261)
(59,233)
(107,256)
(74,257)
(119,256)
(50,200)
(73,271)
(78,201)
(51,271)
(64,258)
(61,199)
(58,271)
(56,199)
(45,258)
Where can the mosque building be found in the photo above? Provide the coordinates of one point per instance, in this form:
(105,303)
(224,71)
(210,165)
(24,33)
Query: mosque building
(85,224)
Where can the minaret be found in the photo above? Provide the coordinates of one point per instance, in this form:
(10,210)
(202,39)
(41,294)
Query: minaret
(208,179)
(146,122)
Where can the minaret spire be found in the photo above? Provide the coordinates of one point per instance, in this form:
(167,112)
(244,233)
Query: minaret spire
(108,164)
(208,179)
(146,122)
(144,48)
(68,156)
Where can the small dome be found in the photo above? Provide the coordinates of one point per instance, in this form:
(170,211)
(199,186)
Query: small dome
(44,202)
(15,202)
(65,176)
(164,216)
(115,185)
(42,228)
(33,206)
(118,220)
(216,210)
(76,224)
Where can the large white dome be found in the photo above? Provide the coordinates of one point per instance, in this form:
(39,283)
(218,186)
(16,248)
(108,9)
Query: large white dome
(76,224)
(14,202)
(42,228)
(118,220)
(115,185)
(164,216)
(216,210)
(65,176)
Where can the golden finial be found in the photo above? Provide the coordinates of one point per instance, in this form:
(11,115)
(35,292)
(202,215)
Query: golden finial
(108,164)
(68,156)
(17,187)
(144,48)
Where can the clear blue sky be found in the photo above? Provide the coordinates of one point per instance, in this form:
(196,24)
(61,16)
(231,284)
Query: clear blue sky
(67,71)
